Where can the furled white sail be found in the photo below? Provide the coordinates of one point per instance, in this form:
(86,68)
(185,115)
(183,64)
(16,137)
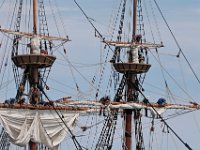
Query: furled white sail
(39,126)
(154,108)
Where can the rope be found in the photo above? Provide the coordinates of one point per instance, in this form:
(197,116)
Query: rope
(99,36)
(78,71)
(118,49)
(4,140)
(151,139)
(162,71)
(15,45)
(115,20)
(2,3)
(44,30)
(162,92)
(163,120)
(159,60)
(172,78)
(155,20)
(61,19)
(180,50)
(179,114)
(78,146)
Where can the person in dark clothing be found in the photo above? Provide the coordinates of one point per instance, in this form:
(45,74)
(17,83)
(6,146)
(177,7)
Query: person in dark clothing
(21,101)
(10,101)
(104,100)
(118,98)
(35,96)
(161,101)
(50,103)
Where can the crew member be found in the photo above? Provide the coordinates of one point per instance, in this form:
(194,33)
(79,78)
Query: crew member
(35,45)
(162,101)
(135,48)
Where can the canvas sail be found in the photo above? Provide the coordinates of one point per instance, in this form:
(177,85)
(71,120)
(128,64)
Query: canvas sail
(39,126)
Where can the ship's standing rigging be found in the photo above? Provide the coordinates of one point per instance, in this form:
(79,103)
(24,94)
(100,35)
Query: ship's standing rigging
(35,61)
(133,86)
(130,63)
(130,82)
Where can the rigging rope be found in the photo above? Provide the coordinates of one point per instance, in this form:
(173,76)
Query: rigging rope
(78,146)
(141,31)
(151,132)
(57,27)
(156,22)
(114,21)
(102,38)
(4,140)
(173,78)
(117,49)
(162,71)
(2,3)
(96,30)
(15,46)
(4,58)
(187,146)
(119,36)
(138,130)
(163,120)
(44,44)
(61,19)
(180,49)
(102,73)
(72,66)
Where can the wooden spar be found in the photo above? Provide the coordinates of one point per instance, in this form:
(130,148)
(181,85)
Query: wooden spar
(155,105)
(134,18)
(31,35)
(35,16)
(77,107)
(132,44)
(41,107)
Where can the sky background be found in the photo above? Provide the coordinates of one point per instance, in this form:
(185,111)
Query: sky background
(86,52)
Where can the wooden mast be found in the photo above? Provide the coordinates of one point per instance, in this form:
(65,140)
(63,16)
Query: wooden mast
(32,145)
(34,70)
(130,90)
(35,16)
(134,18)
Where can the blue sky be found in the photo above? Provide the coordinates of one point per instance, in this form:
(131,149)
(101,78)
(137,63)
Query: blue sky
(84,52)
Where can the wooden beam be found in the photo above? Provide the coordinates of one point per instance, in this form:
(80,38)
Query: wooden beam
(31,35)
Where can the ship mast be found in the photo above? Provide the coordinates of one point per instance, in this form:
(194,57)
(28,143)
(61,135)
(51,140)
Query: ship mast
(35,16)
(134,18)
(32,145)
(131,91)
(135,65)
(34,71)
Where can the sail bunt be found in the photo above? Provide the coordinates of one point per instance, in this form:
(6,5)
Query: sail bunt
(38,126)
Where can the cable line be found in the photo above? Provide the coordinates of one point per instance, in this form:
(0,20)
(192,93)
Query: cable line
(163,120)
(180,49)
(2,3)
(78,146)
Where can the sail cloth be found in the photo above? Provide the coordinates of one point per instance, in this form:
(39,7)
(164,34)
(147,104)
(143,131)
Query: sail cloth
(39,126)
(154,108)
